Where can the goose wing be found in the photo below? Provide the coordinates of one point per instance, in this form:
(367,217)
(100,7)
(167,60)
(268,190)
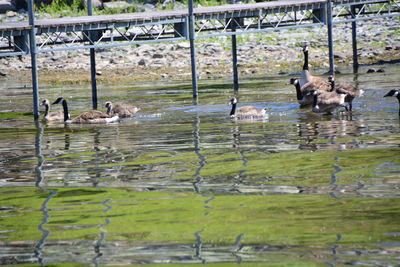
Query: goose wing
(89,116)
(347,88)
(322,86)
(125,110)
(249,111)
(330,98)
(56,115)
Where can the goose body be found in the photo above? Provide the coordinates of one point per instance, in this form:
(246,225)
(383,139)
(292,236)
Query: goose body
(122,110)
(245,111)
(349,89)
(88,117)
(304,97)
(395,93)
(327,102)
(307,77)
(51,116)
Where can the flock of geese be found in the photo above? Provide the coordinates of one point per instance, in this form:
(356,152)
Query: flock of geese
(113,113)
(324,95)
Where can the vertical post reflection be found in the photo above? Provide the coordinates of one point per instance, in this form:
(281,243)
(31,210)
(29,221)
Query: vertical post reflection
(199,244)
(196,141)
(38,252)
(100,242)
(236,143)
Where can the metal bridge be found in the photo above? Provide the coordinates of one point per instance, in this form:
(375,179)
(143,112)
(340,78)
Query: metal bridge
(91,32)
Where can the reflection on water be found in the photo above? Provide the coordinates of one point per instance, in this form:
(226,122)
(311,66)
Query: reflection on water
(183,183)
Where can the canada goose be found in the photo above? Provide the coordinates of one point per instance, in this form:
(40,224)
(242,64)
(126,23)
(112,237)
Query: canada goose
(51,116)
(327,102)
(245,111)
(91,117)
(349,89)
(395,93)
(303,92)
(122,110)
(307,77)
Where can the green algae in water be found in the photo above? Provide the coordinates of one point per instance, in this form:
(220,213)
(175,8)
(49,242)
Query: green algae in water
(75,214)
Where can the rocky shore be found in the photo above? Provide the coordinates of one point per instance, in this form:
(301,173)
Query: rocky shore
(258,55)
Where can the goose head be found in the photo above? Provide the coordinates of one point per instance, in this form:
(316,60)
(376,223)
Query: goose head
(232,101)
(305,48)
(294,81)
(45,102)
(108,106)
(393,92)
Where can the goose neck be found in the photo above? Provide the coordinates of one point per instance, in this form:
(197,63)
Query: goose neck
(315,100)
(46,111)
(233,109)
(298,91)
(65,108)
(305,66)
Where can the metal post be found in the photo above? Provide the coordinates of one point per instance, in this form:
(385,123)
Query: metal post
(192,49)
(234,56)
(32,48)
(92,61)
(330,38)
(354,39)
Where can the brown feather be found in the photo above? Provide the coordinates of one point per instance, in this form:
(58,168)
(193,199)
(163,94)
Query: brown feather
(249,111)
(92,116)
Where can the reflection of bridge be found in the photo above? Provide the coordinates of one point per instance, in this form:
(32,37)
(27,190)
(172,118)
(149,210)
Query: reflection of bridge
(93,32)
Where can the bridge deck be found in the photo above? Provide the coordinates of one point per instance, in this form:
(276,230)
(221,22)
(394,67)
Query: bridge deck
(160,15)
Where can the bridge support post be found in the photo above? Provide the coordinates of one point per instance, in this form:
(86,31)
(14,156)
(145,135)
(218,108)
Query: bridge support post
(234,56)
(192,49)
(330,36)
(354,39)
(235,64)
(33,52)
(92,61)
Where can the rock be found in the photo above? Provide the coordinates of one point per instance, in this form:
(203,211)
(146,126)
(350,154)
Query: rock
(7,6)
(185,45)
(146,7)
(2,73)
(387,48)
(339,55)
(371,70)
(116,4)
(164,75)
(10,13)
(380,70)
(142,62)
(113,61)
(99,73)
(157,55)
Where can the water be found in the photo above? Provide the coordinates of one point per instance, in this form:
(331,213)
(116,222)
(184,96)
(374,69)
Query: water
(182,183)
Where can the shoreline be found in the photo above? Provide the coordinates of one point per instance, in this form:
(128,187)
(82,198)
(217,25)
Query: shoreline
(271,53)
